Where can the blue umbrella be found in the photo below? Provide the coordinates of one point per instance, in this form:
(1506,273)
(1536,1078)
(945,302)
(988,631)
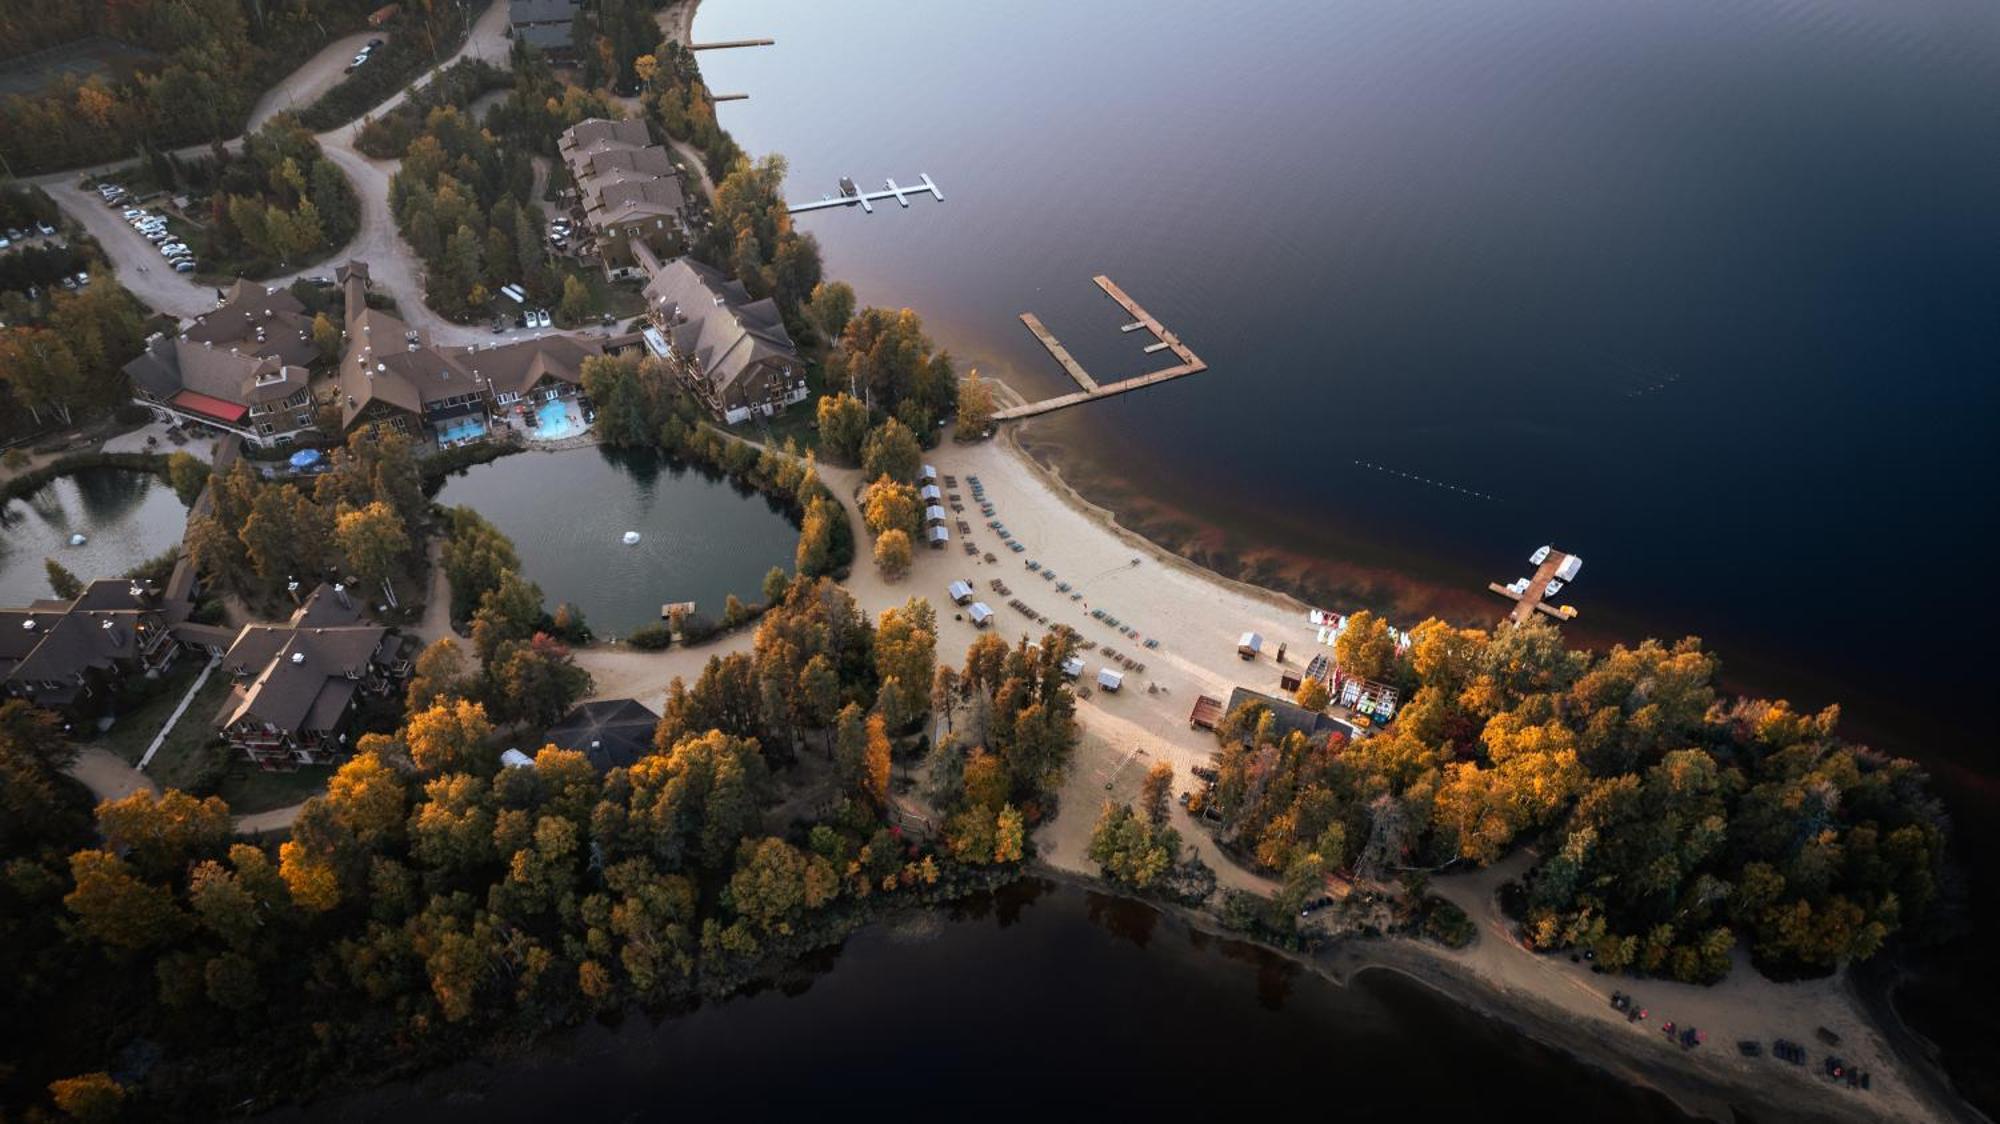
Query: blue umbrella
(305,458)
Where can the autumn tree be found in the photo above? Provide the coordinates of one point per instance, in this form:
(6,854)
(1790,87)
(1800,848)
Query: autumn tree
(373,540)
(1365,646)
(891,450)
(440,672)
(892,554)
(843,426)
(452,736)
(975,405)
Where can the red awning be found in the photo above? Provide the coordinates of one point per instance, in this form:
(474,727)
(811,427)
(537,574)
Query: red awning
(209,407)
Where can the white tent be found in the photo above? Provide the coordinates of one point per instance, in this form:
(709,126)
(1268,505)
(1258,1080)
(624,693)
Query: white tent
(938,536)
(931,493)
(1249,645)
(961,592)
(930,472)
(515,759)
(1073,667)
(1568,570)
(934,514)
(980,613)
(1110,680)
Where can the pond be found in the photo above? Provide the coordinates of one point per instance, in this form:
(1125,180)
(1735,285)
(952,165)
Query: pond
(126,518)
(1043,998)
(700,539)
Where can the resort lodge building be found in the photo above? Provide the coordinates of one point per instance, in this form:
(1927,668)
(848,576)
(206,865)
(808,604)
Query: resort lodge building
(72,656)
(731,352)
(627,192)
(240,368)
(297,684)
(392,375)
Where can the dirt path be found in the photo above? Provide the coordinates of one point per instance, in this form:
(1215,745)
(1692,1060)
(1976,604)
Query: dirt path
(106,774)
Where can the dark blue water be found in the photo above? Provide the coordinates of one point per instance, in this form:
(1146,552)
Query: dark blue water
(700,539)
(1040,1001)
(1706,291)
(1701,290)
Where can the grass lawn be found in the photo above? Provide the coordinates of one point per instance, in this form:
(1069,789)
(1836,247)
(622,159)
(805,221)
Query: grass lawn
(622,300)
(248,788)
(190,754)
(134,730)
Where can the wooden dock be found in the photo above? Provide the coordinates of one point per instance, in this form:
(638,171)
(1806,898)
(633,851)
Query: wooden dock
(866,199)
(1189,364)
(728,43)
(1527,604)
(728,97)
(1061,353)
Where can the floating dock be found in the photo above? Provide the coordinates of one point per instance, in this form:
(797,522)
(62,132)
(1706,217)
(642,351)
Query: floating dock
(849,197)
(1534,599)
(728,97)
(1189,364)
(728,43)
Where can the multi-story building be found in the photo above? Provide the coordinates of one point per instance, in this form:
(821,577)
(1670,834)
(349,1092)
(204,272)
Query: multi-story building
(239,368)
(71,656)
(298,683)
(732,352)
(394,376)
(627,191)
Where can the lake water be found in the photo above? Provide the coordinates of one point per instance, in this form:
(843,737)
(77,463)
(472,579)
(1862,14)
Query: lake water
(1043,1000)
(1701,290)
(126,517)
(699,539)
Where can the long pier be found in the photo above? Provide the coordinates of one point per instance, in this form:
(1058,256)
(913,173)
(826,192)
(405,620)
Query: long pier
(728,43)
(728,97)
(866,199)
(1189,364)
(1527,604)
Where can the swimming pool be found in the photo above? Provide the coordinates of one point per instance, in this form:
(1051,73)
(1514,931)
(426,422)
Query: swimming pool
(461,429)
(557,419)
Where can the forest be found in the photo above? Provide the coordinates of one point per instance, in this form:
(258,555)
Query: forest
(159,966)
(209,61)
(1672,825)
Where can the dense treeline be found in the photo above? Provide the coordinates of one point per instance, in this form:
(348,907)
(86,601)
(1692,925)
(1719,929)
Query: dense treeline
(364,516)
(611,36)
(431,898)
(216,58)
(277,205)
(386,136)
(68,360)
(677,98)
(1674,826)
(464,202)
(413,43)
(641,405)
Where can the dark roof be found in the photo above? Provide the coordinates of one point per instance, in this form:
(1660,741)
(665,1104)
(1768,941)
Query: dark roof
(309,692)
(97,630)
(713,323)
(611,732)
(1286,714)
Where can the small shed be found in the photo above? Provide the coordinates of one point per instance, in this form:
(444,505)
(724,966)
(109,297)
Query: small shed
(1110,680)
(935,514)
(931,493)
(1206,713)
(1249,645)
(938,536)
(980,613)
(961,592)
(1073,667)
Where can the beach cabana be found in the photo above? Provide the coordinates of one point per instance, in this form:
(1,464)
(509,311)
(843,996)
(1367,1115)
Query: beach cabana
(1110,680)
(1249,645)
(1073,667)
(930,473)
(961,592)
(938,536)
(935,514)
(931,492)
(980,613)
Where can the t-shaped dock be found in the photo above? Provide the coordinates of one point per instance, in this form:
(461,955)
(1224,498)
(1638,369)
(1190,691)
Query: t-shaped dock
(1189,364)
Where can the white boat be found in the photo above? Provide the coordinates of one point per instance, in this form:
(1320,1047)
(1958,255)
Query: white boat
(77,540)
(1540,556)
(1570,567)
(1518,586)
(631,538)
(1554,587)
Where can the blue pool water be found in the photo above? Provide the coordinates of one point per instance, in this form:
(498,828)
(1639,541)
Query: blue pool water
(557,419)
(461,429)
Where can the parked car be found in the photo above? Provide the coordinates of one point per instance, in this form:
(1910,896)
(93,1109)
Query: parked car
(185,265)
(82,278)
(44,229)
(174,249)
(542,319)
(374,43)
(16,234)
(5,241)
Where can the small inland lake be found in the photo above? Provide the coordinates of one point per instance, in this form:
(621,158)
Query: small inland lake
(126,518)
(700,538)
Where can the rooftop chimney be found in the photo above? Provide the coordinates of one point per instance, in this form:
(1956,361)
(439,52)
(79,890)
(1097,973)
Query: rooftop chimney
(298,657)
(111,629)
(28,625)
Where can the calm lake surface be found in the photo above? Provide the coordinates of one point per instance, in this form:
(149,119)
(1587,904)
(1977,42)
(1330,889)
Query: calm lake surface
(1701,290)
(127,517)
(1041,993)
(700,539)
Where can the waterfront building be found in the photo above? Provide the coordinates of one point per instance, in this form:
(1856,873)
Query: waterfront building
(627,192)
(731,352)
(240,368)
(610,732)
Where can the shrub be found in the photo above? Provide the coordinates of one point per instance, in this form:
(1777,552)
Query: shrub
(1447,924)
(651,638)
